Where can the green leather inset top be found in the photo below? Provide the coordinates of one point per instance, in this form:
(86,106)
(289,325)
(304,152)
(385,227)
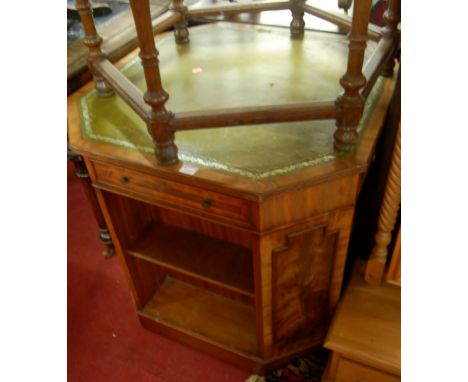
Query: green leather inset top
(231,66)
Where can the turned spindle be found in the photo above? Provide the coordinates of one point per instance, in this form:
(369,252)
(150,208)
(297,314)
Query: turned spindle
(390,32)
(345,5)
(82,173)
(158,118)
(297,24)
(181,32)
(350,104)
(388,214)
(93,42)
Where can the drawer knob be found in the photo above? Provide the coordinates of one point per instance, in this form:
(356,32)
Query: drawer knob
(124,180)
(207,203)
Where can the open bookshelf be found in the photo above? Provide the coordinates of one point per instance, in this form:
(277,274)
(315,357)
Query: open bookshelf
(220,319)
(197,281)
(212,260)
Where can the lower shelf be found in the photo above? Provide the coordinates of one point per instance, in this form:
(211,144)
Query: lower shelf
(222,320)
(212,260)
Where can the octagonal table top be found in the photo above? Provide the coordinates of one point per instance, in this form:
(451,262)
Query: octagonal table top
(231,65)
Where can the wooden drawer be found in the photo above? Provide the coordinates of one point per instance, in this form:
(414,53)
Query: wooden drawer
(349,371)
(172,194)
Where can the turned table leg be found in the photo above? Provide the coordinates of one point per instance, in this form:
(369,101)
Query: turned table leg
(159,117)
(93,41)
(181,32)
(351,104)
(297,24)
(82,173)
(390,32)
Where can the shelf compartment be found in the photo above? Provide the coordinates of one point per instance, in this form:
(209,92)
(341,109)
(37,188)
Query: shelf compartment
(204,258)
(226,322)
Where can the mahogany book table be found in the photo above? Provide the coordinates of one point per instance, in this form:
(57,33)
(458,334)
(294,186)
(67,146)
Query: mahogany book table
(239,248)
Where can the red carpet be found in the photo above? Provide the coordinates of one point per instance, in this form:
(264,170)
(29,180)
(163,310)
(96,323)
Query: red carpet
(105,339)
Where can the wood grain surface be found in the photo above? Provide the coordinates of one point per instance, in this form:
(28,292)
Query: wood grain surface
(366,328)
(248,270)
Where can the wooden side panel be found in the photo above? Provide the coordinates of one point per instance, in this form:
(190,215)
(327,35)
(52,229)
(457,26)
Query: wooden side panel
(299,205)
(129,220)
(340,222)
(298,278)
(132,217)
(301,283)
(394,270)
(123,232)
(262,280)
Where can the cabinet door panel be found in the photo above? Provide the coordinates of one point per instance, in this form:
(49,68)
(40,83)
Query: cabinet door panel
(301,283)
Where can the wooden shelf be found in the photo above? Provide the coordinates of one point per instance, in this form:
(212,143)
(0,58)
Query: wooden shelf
(196,255)
(227,322)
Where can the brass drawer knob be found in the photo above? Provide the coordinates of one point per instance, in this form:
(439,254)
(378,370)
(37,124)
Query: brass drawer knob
(124,180)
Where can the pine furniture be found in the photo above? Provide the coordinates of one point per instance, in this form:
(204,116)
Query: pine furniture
(365,335)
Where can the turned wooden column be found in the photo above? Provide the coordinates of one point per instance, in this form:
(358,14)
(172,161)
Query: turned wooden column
(351,103)
(297,24)
(390,32)
(158,118)
(388,214)
(82,173)
(181,32)
(345,5)
(93,42)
